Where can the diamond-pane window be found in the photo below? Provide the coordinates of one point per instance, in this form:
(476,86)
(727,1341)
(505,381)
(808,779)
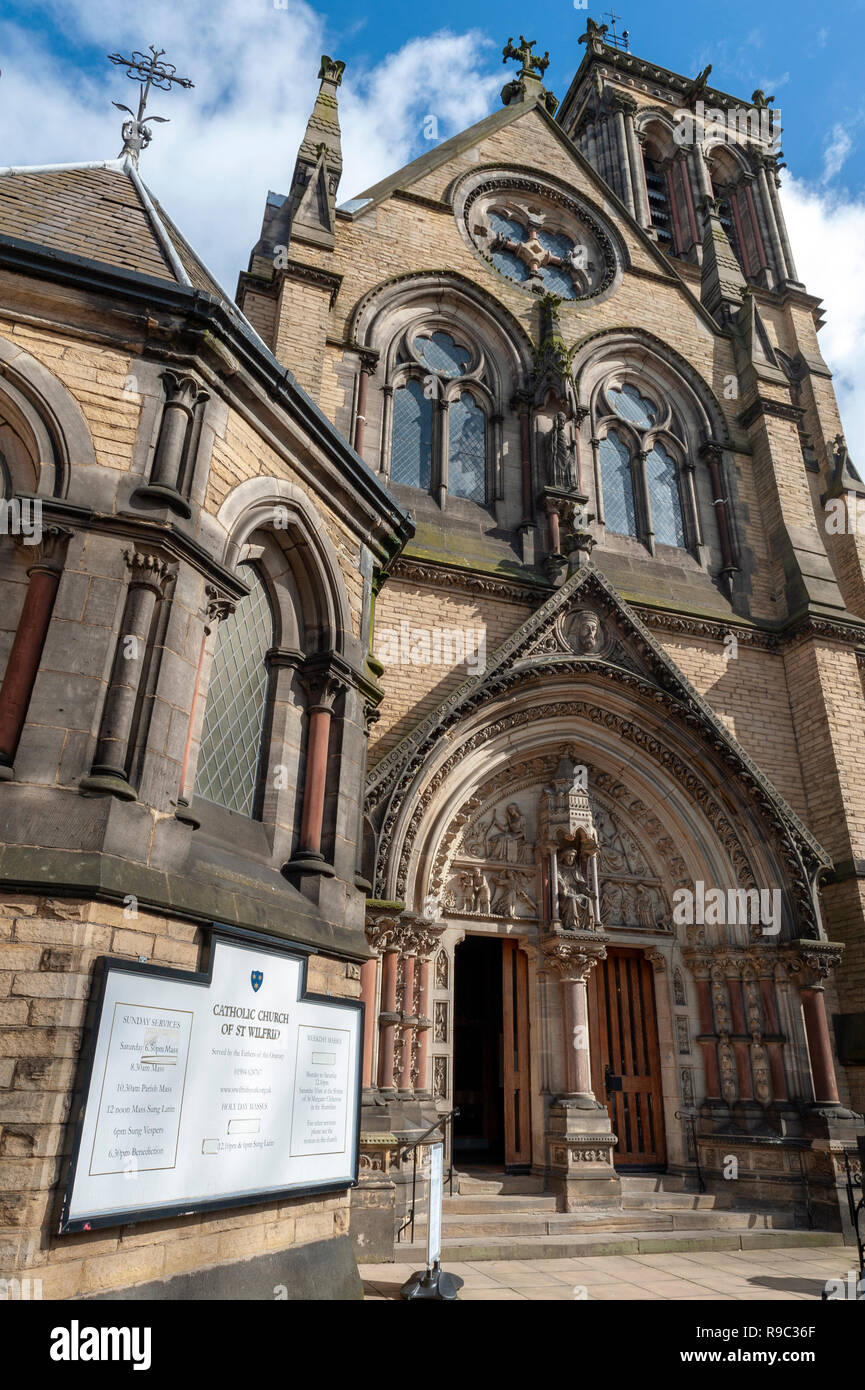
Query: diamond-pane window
(441,354)
(234,714)
(630,405)
(618,485)
(467,449)
(412,436)
(664,497)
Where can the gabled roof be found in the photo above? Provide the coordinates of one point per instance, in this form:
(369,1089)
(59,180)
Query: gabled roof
(402,179)
(101,211)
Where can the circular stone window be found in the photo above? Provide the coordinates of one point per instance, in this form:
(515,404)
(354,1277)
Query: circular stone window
(538,236)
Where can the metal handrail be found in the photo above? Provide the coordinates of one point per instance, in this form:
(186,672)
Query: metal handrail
(691,1117)
(411,1148)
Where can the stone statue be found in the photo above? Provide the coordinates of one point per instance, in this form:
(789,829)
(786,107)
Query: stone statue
(561,471)
(576,908)
(481,892)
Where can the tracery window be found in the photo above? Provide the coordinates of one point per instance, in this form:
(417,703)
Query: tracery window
(439,434)
(641,463)
(231,736)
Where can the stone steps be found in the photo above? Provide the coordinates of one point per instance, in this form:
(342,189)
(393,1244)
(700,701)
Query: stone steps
(508,1223)
(634,1242)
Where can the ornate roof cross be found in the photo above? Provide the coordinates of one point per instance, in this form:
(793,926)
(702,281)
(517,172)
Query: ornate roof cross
(149,72)
(523,55)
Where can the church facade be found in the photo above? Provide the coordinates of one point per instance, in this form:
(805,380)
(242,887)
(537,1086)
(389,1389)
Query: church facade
(476,604)
(613,805)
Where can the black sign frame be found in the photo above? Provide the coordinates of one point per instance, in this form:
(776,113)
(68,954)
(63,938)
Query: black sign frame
(105,966)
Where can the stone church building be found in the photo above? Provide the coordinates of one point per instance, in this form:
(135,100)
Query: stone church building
(500,619)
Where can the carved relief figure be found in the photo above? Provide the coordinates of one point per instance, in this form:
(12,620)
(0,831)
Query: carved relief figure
(510,894)
(481,899)
(509,842)
(576,909)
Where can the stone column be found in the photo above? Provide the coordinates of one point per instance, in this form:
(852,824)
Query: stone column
(812,963)
(429,938)
(580,1138)
(622,104)
(771,223)
(22,665)
(685,176)
(368,981)
(713,453)
(167,483)
(367,368)
(408,1019)
(323,686)
(774,183)
(149,577)
(388,1016)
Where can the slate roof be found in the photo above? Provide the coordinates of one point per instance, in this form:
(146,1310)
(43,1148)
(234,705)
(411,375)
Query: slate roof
(103,212)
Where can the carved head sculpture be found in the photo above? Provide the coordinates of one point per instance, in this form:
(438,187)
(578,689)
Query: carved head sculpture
(587,632)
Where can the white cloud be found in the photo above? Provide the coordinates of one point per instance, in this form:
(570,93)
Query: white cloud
(827,231)
(839,144)
(235,135)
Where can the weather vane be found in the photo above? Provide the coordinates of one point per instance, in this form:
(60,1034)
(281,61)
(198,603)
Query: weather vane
(149,72)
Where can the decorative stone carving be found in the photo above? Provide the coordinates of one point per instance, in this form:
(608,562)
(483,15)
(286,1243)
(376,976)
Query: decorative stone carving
(687,1077)
(440,1078)
(683,1040)
(561,465)
(440,1025)
(442,970)
(680,998)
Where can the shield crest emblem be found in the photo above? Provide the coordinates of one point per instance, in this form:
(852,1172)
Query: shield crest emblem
(256,979)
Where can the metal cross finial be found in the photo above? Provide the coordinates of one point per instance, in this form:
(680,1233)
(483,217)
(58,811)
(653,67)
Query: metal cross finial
(615,40)
(149,72)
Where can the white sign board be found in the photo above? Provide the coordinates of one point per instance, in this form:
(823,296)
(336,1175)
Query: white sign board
(214,1090)
(436,1194)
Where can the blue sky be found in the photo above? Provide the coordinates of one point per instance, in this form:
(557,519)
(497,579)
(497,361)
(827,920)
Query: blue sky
(254,64)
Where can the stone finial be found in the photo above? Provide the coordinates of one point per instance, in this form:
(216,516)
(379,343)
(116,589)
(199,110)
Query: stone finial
(317,173)
(722,284)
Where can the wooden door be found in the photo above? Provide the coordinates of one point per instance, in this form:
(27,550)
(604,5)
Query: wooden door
(626,1063)
(515,1019)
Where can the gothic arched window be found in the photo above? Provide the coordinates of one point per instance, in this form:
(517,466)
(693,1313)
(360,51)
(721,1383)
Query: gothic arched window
(439,423)
(659,202)
(231,736)
(640,477)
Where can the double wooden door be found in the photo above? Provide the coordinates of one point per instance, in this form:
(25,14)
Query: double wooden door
(626,1064)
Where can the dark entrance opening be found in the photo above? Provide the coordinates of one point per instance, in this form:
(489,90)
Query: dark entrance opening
(478,1052)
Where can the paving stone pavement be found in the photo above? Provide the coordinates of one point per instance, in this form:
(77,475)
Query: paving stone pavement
(718,1275)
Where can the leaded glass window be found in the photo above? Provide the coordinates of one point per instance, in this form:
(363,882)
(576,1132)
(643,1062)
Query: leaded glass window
(441,354)
(664,497)
(230,750)
(630,405)
(617,481)
(467,449)
(411,449)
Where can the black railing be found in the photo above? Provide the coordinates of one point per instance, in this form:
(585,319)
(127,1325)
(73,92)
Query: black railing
(856,1202)
(405,1149)
(692,1120)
